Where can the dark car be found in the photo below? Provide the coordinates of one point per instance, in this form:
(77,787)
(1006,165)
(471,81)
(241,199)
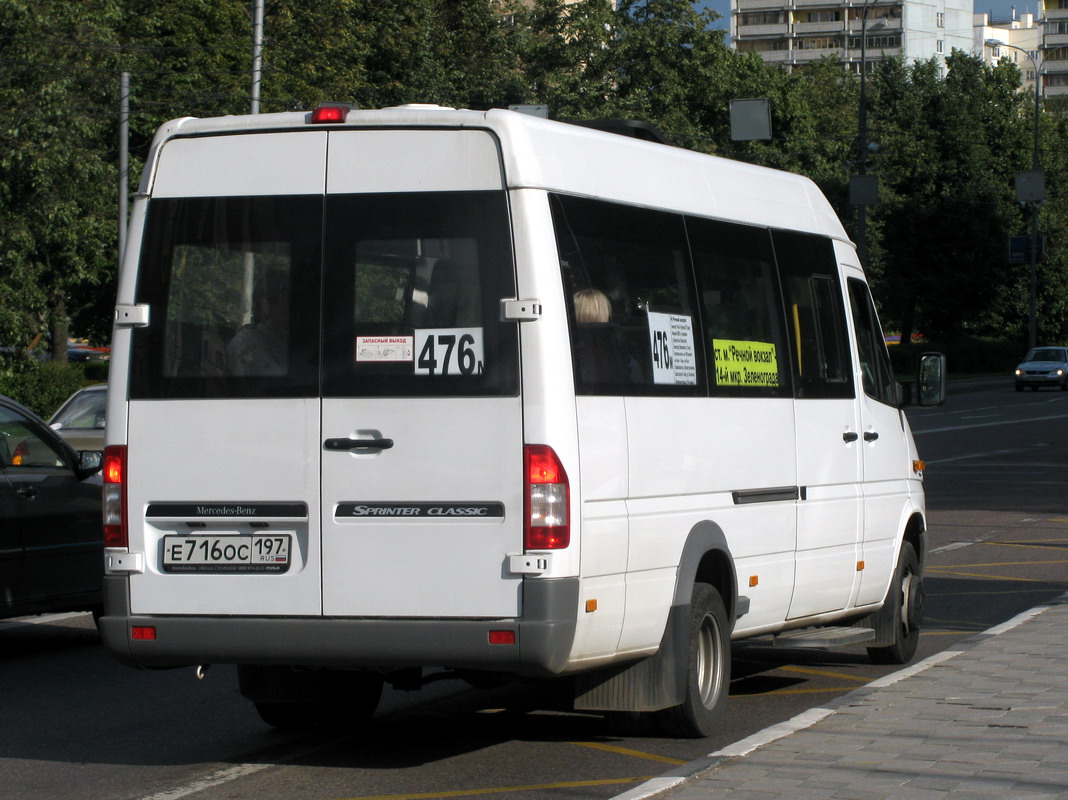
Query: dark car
(1043,366)
(51,532)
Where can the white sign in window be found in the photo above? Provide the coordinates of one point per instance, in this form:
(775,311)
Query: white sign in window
(449,351)
(671,343)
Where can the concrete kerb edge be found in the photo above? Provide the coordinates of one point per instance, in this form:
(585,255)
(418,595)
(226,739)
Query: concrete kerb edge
(693,770)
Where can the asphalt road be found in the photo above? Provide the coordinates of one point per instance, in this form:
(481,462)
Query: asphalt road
(76,725)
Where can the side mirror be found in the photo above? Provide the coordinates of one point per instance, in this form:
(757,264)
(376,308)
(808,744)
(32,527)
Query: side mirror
(931,380)
(90,461)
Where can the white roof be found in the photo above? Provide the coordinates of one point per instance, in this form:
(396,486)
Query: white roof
(543,154)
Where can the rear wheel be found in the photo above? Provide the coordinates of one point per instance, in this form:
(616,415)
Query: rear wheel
(899,621)
(708,673)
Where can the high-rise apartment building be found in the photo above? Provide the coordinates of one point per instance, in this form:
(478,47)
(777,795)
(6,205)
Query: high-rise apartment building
(1022,42)
(1054,65)
(797,32)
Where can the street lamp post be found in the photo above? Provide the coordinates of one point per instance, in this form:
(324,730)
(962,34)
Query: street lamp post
(1032,191)
(862,134)
(863,190)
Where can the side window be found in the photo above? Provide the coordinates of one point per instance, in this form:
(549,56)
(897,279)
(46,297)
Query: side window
(412,290)
(21,448)
(876,372)
(626,272)
(815,315)
(741,306)
(233,289)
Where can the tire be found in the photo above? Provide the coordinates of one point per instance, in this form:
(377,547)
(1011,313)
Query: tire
(902,613)
(708,670)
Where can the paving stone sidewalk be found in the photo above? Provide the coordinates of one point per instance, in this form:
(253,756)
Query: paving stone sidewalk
(986,719)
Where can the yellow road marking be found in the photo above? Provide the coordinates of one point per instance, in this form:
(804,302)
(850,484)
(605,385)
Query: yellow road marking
(826,690)
(808,671)
(982,575)
(959,625)
(501,789)
(1000,564)
(623,751)
(1037,544)
(987,594)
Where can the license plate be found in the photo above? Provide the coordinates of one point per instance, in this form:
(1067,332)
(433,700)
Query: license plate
(205,553)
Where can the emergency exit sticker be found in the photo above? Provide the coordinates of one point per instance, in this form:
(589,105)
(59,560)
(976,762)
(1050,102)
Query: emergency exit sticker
(671,342)
(384,348)
(745,363)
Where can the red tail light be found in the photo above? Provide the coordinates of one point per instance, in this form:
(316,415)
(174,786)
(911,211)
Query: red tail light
(327,114)
(547,500)
(114,473)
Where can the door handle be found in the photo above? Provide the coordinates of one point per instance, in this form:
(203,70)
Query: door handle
(850,436)
(358,444)
(27,492)
(870,436)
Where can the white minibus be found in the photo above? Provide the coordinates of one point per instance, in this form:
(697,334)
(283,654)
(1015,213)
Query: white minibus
(413,392)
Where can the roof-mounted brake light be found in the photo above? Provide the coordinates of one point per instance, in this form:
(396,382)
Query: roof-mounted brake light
(333,112)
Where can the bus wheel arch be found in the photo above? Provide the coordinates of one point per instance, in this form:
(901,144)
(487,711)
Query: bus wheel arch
(706,558)
(897,624)
(707,589)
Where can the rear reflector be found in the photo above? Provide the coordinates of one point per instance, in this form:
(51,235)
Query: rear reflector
(143,633)
(547,499)
(502,637)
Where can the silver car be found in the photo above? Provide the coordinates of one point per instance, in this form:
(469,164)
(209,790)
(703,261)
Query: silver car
(1043,366)
(80,420)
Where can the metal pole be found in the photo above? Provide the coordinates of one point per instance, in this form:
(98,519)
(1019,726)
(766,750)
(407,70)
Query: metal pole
(124,157)
(862,138)
(257,53)
(1032,326)
(1036,195)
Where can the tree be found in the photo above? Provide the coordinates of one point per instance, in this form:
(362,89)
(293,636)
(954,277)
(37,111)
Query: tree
(948,145)
(57,219)
(946,149)
(1053,224)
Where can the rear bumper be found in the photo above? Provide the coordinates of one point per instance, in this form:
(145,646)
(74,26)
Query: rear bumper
(543,637)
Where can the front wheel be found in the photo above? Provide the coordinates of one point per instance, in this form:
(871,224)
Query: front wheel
(899,621)
(708,673)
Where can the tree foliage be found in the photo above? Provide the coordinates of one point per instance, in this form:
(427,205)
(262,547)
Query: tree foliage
(947,150)
(57,185)
(948,144)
